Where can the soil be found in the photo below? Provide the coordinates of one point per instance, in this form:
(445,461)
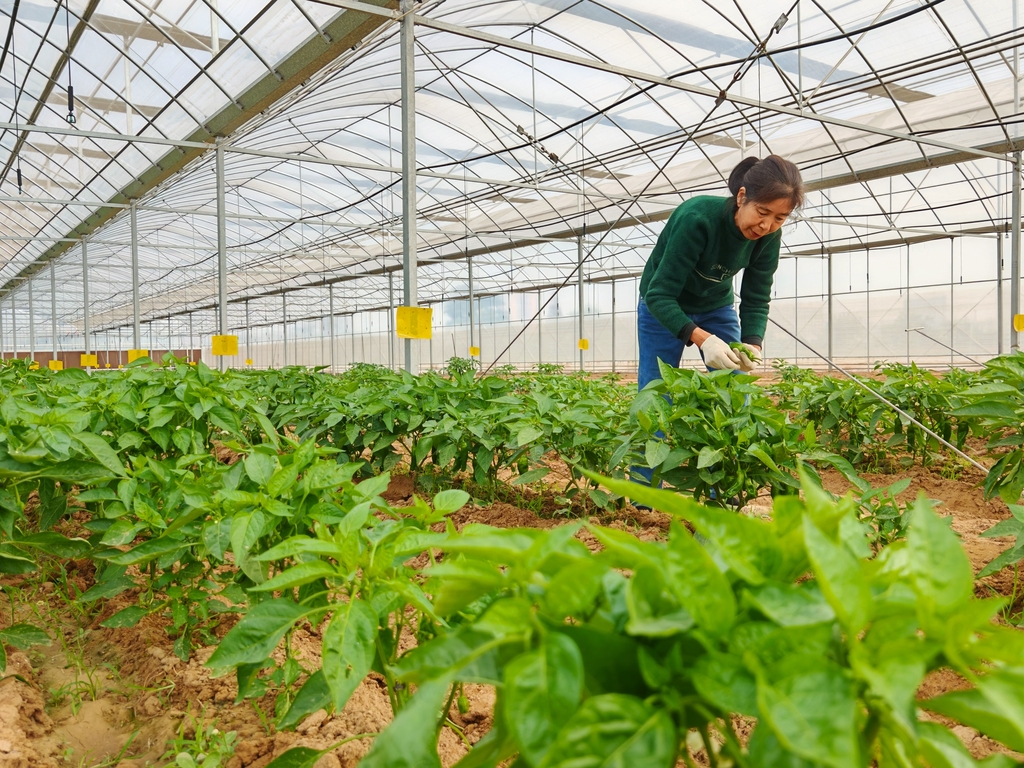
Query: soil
(120,698)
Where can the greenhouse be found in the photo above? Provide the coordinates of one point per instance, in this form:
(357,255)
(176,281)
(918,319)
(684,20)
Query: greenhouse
(527,383)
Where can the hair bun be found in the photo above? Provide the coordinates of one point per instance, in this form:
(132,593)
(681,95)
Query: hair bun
(736,177)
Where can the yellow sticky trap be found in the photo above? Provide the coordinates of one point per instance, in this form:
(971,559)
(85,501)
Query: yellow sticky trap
(584,344)
(89,361)
(136,354)
(33,366)
(108,365)
(1018,323)
(414,322)
(56,365)
(248,361)
(474,351)
(225,346)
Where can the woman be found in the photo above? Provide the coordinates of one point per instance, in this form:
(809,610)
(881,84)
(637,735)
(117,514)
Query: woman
(686,294)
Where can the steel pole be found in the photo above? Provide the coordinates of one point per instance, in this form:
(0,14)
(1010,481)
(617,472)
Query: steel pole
(613,327)
(409,256)
(830,334)
(330,301)
(1015,254)
(579,282)
(999,295)
(391,320)
(85,292)
(472,306)
(222,252)
(53,308)
(284,330)
(1,330)
(136,327)
(31,324)
(248,334)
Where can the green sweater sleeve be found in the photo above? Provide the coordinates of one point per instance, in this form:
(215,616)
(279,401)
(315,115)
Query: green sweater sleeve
(756,289)
(686,239)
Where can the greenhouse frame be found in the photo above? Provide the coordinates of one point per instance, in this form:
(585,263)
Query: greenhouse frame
(291,172)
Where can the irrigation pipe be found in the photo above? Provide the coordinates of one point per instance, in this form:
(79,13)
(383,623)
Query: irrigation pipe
(876,395)
(932,338)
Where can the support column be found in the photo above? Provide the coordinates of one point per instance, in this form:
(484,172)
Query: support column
(14,326)
(248,334)
(222,250)
(53,308)
(391,320)
(1,330)
(31,323)
(1015,253)
(472,307)
(409,255)
(191,341)
(284,329)
(136,328)
(613,327)
(540,333)
(830,334)
(85,293)
(330,302)
(579,282)
(999,293)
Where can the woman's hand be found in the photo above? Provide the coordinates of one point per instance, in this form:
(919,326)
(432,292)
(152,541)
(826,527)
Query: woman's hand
(719,355)
(748,364)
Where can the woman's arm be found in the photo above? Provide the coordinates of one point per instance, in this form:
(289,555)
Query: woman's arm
(756,289)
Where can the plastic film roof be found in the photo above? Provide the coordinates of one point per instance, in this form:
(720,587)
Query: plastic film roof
(597,116)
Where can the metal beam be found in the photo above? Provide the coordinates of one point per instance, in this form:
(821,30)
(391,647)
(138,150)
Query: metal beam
(85,292)
(345,32)
(53,309)
(679,85)
(409,244)
(136,329)
(1015,254)
(222,254)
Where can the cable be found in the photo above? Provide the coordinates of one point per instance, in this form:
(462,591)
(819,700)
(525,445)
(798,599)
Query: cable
(17,92)
(71,89)
(744,67)
(876,395)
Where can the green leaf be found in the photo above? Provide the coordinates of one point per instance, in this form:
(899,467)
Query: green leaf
(55,544)
(121,532)
(254,637)
(841,578)
(709,456)
(246,530)
(973,709)
(411,739)
(725,682)
(102,451)
(312,696)
(990,409)
(298,757)
(106,589)
(260,467)
(450,501)
(531,476)
(527,435)
(700,586)
(615,731)
(937,562)
(15,563)
(542,690)
(348,649)
(655,452)
(225,419)
(297,575)
(815,715)
(792,605)
(126,617)
(148,550)
(283,480)
(24,635)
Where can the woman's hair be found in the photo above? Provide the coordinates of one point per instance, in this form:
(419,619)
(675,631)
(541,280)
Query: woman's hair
(766,180)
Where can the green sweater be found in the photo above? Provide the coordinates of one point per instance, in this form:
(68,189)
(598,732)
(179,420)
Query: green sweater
(693,263)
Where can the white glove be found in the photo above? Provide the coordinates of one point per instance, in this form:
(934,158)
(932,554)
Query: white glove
(719,355)
(746,364)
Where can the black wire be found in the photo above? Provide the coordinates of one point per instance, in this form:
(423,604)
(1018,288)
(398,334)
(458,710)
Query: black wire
(71,88)
(14,78)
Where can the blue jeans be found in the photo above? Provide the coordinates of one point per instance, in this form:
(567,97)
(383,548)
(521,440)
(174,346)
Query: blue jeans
(657,342)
